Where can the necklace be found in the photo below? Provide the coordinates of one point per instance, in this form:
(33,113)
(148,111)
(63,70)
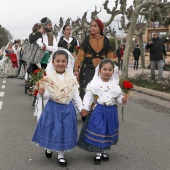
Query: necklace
(97,37)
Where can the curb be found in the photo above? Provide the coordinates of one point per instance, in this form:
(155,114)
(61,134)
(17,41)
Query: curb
(161,95)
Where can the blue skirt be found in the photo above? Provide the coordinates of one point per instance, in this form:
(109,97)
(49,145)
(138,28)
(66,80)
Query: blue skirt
(100,129)
(57,127)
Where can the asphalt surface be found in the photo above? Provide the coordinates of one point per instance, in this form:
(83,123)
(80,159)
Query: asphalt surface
(144,136)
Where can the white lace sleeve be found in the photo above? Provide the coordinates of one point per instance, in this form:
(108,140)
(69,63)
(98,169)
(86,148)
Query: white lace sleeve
(77,101)
(88,100)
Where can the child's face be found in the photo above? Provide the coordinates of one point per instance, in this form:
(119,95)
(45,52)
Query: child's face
(106,72)
(60,63)
(41,30)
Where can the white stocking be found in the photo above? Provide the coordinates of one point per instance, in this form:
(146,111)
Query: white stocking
(61,155)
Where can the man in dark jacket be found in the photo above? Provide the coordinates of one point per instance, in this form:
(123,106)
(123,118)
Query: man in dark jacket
(157,54)
(136,54)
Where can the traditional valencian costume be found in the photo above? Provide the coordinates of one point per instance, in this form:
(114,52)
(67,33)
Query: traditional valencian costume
(57,126)
(10,63)
(101,127)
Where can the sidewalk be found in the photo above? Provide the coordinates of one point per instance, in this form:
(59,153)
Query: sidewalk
(162,95)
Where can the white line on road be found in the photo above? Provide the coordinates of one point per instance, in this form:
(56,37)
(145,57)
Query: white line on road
(1,94)
(4,81)
(3,87)
(1,105)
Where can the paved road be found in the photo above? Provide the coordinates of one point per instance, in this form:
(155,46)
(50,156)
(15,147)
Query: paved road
(144,139)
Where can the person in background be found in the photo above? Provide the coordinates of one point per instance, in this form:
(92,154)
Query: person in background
(67,41)
(136,55)
(10,64)
(119,54)
(2,52)
(49,40)
(157,55)
(93,50)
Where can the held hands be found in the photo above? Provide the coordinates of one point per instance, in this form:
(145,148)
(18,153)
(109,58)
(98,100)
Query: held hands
(84,113)
(41,91)
(76,73)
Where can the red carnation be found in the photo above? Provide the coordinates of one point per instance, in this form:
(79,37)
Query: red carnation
(36,71)
(35,92)
(127,85)
(77,47)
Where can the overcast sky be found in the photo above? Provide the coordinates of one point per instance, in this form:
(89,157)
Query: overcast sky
(19,16)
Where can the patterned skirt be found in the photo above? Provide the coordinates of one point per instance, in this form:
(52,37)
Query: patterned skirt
(100,129)
(57,127)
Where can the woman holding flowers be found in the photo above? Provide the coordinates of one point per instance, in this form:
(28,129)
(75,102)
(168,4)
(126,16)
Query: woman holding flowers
(10,64)
(57,126)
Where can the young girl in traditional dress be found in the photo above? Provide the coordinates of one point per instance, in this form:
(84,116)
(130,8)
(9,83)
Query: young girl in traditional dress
(100,129)
(57,126)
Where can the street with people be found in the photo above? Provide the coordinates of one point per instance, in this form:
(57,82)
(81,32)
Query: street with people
(86,93)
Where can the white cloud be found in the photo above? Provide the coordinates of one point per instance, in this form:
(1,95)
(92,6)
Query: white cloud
(19,16)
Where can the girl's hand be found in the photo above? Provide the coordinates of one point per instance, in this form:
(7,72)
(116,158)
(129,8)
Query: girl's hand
(84,112)
(41,91)
(76,73)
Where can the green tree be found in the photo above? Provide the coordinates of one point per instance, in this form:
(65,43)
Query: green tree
(5,36)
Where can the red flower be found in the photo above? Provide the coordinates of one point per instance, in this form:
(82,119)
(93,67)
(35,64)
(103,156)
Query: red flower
(44,48)
(35,92)
(127,85)
(36,71)
(77,47)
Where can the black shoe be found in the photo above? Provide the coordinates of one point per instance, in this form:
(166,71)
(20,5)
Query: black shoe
(62,164)
(97,159)
(48,155)
(105,157)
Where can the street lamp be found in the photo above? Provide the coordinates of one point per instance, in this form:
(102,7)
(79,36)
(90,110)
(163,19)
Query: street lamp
(167,43)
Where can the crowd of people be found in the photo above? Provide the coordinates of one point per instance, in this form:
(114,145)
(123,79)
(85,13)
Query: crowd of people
(88,85)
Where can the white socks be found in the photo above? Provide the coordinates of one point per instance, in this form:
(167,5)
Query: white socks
(98,155)
(61,155)
(49,151)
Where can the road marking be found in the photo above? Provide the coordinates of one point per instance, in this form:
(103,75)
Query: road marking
(1,105)
(3,87)
(1,94)
(4,81)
